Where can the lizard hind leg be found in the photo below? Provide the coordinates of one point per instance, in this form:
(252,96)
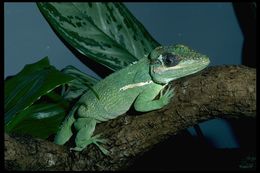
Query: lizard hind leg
(86,127)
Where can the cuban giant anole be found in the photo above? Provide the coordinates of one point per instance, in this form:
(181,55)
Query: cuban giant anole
(137,84)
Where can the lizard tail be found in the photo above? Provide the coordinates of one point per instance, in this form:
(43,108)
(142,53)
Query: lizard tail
(65,132)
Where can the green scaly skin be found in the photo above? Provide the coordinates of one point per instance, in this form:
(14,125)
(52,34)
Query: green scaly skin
(138,84)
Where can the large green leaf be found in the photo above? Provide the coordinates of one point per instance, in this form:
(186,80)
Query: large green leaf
(105,32)
(42,119)
(34,81)
(79,85)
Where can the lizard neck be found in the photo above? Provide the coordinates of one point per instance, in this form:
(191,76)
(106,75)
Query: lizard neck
(141,77)
(142,71)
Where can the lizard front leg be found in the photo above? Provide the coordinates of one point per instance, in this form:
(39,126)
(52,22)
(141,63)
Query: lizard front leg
(145,101)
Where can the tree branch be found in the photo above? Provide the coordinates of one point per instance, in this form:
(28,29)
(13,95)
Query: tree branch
(222,91)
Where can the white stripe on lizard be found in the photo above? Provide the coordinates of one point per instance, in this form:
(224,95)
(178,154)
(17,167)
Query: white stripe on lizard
(135,85)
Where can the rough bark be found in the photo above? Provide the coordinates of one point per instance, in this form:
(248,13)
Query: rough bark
(222,91)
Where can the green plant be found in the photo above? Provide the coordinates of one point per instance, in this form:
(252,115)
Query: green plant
(38,98)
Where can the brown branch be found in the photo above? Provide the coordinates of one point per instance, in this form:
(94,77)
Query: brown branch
(224,92)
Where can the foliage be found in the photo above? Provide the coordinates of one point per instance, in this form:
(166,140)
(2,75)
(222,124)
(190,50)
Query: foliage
(24,89)
(105,32)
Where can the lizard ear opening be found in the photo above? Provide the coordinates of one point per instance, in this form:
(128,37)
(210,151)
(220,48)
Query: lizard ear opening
(154,59)
(155,62)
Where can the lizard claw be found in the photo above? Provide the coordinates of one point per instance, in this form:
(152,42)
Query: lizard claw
(166,97)
(96,140)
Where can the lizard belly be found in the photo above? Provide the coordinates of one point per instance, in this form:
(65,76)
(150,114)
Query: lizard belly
(109,105)
(115,105)
(116,93)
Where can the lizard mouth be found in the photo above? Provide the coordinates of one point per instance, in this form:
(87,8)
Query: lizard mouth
(180,70)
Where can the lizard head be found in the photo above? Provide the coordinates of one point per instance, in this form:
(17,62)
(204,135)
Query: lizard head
(168,63)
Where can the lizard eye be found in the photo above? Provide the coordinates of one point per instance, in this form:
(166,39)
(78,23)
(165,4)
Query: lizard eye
(170,60)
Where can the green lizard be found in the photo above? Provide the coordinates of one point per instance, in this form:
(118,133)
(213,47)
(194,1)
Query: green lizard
(138,84)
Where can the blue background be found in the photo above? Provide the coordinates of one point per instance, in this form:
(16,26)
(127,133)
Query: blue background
(211,28)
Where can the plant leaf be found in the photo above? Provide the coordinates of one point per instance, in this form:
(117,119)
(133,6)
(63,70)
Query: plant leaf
(105,32)
(79,85)
(39,120)
(34,81)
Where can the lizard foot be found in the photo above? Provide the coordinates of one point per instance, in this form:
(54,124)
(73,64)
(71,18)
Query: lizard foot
(166,97)
(95,140)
